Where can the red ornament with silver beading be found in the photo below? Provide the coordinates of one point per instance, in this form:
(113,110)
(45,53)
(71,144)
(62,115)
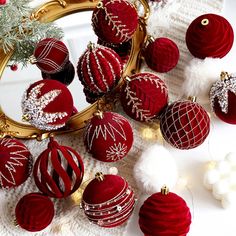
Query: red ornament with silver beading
(144,96)
(99,69)
(115,21)
(108,201)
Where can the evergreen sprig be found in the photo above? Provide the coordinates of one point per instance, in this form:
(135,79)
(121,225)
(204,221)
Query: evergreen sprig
(19,32)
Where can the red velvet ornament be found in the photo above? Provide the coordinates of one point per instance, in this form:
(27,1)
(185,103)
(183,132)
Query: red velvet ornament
(108,136)
(185,124)
(99,69)
(209,35)
(34,212)
(15,163)
(108,201)
(47,104)
(161,55)
(65,76)
(58,171)
(3,2)
(51,55)
(223,98)
(164,215)
(115,21)
(144,96)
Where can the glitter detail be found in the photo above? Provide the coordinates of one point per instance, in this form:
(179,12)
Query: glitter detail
(33,105)
(219,91)
(119,208)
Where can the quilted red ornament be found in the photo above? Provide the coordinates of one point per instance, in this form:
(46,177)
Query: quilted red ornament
(185,124)
(34,212)
(164,214)
(99,69)
(58,171)
(144,96)
(108,200)
(115,21)
(47,104)
(65,76)
(161,55)
(209,35)
(15,163)
(51,55)
(108,136)
(223,98)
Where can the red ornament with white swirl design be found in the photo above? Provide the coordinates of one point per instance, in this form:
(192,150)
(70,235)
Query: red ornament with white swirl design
(108,200)
(108,136)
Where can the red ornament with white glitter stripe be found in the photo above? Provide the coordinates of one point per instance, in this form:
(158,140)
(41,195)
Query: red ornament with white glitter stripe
(99,69)
(50,55)
(108,136)
(115,21)
(108,200)
(185,124)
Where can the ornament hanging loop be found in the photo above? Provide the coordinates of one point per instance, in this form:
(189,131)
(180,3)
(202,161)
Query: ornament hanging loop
(205,22)
(192,98)
(100,5)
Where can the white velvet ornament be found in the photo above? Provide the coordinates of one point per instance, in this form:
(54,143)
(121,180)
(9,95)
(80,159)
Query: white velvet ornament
(155,168)
(200,74)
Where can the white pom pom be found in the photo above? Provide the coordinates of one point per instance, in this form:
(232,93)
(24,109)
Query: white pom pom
(201,74)
(220,189)
(155,168)
(229,200)
(210,178)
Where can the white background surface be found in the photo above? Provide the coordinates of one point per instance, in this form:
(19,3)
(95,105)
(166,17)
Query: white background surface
(209,218)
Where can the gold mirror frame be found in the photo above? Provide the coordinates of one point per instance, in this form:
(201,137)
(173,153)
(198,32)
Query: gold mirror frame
(50,12)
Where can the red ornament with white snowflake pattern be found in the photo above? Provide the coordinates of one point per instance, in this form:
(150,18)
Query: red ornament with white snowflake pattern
(185,124)
(144,96)
(47,104)
(223,98)
(50,55)
(108,200)
(15,163)
(108,136)
(115,21)
(99,69)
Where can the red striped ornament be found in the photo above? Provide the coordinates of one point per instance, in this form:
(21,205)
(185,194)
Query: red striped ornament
(99,69)
(51,55)
(58,171)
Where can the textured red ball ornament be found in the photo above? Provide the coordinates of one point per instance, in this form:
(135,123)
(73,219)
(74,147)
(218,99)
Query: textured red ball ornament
(58,171)
(99,69)
(185,124)
(115,21)
(108,201)
(14,67)
(15,163)
(51,55)
(161,55)
(164,214)
(223,98)
(65,76)
(47,104)
(209,35)
(144,96)
(34,212)
(108,136)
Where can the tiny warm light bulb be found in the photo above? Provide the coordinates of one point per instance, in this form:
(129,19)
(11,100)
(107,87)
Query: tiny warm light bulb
(147,133)
(211,165)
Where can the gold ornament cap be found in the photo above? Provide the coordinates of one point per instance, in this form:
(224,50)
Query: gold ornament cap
(224,75)
(205,22)
(165,190)
(99,176)
(99,114)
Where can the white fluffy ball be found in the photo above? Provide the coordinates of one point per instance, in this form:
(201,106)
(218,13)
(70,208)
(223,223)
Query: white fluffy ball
(155,168)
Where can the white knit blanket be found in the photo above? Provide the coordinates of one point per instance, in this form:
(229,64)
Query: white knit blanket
(170,21)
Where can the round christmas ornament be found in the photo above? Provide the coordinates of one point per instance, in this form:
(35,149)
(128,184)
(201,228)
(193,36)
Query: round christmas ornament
(144,96)
(99,69)
(161,55)
(185,124)
(14,67)
(50,55)
(65,76)
(3,2)
(58,171)
(108,136)
(47,104)
(223,98)
(108,200)
(209,35)
(115,21)
(34,212)
(164,213)
(15,163)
